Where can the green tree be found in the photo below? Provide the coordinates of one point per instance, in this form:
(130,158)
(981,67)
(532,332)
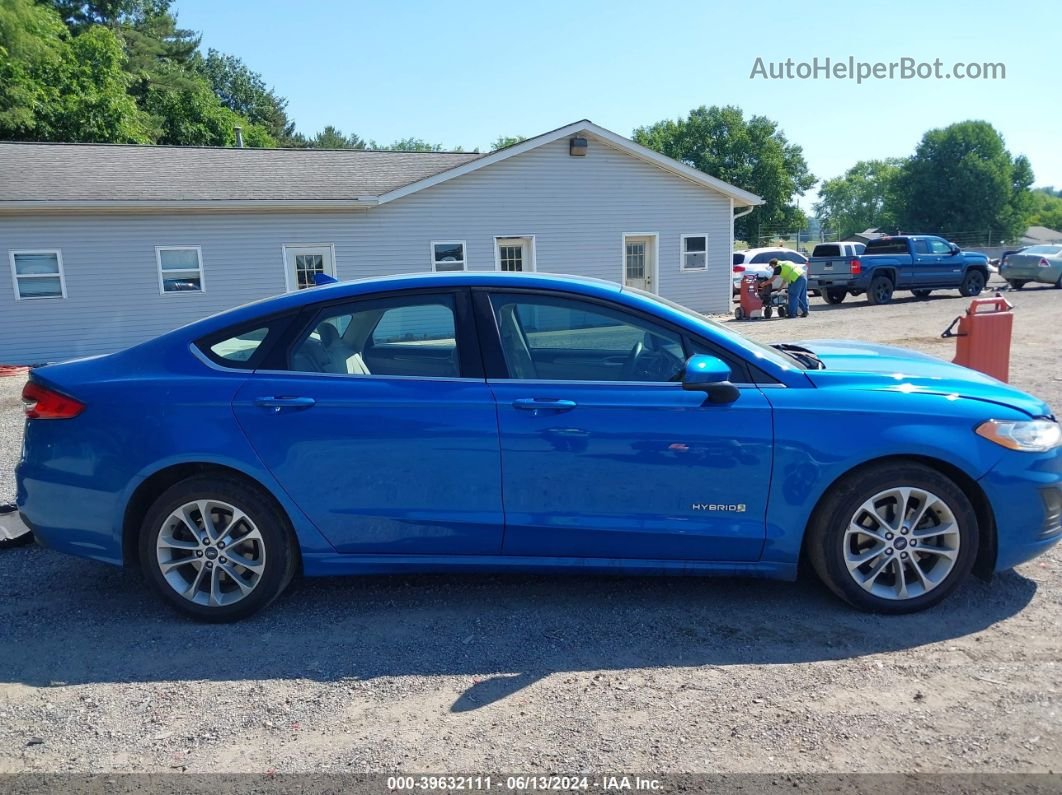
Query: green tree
(865,196)
(57,88)
(244,91)
(194,116)
(505,141)
(752,154)
(334,138)
(413,145)
(961,180)
(1046,208)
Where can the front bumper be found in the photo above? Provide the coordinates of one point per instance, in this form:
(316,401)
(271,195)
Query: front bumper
(1025,491)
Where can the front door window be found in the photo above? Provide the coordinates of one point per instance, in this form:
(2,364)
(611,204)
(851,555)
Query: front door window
(305,262)
(514,254)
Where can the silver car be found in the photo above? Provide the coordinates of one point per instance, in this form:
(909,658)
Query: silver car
(1033,264)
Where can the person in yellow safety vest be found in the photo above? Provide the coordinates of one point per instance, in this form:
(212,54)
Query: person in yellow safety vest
(793,277)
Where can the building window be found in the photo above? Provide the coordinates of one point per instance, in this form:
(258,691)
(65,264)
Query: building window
(448,255)
(180,269)
(694,252)
(514,254)
(38,274)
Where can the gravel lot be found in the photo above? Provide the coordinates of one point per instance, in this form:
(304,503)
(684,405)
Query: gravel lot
(540,674)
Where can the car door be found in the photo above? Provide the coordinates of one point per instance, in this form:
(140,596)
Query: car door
(947,267)
(604,455)
(376,419)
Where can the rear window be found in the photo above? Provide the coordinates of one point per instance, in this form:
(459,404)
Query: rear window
(240,348)
(1048,250)
(887,245)
(764,256)
(827,250)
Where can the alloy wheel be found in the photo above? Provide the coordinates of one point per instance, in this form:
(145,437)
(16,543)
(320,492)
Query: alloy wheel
(901,543)
(211,553)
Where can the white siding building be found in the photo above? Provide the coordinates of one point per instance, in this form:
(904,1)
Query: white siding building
(109,245)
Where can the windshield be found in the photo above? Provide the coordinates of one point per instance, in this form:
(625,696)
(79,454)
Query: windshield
(756,349)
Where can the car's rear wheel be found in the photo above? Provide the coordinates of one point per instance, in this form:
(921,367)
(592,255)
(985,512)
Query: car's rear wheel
(895,538)
(972,284)
(834,296)
(880,290)
(216,548)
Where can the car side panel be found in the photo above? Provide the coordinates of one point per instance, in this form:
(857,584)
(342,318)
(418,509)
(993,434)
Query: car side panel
(75,489)
(814,447)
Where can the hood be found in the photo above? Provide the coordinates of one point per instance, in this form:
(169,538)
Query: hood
(869,366)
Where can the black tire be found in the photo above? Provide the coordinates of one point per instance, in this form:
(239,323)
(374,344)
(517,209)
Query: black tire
(277,539)
(739,313)
(826,537)
(972,284)
(1058,284)
(768,311)
(921,293)
(834,296)
(1017,284)
(880,290)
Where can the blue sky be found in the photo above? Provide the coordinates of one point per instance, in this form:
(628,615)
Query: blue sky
(463,73)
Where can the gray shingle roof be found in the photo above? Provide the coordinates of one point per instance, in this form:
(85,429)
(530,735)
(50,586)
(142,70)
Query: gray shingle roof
(32,172)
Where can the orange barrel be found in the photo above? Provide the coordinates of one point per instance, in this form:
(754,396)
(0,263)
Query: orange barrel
(983,340)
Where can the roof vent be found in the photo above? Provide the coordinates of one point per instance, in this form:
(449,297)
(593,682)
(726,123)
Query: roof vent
(577,147)
(239,136)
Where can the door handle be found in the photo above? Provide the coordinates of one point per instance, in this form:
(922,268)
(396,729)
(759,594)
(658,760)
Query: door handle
(278,403)
(543,404)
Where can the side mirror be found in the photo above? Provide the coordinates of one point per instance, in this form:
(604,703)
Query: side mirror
(711,375)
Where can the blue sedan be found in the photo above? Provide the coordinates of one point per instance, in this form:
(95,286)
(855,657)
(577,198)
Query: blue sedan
(492,421)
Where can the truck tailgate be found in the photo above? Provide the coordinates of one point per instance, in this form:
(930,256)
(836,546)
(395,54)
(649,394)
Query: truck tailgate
(830,266)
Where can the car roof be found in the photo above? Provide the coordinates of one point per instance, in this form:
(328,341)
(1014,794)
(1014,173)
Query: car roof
(766,248)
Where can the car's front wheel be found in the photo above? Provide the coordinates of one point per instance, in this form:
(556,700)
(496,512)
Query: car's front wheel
(217,548)
(972,284)
(894,538)
(834,295)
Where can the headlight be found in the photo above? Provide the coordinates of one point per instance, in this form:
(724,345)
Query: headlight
(1031,436)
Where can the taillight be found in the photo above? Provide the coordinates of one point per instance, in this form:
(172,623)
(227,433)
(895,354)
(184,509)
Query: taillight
(1044,263)
(739,269)
(857,267)
(41,403)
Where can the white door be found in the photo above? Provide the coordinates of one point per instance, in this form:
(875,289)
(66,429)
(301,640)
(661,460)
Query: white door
(513,254)
(303,263)
(638,262)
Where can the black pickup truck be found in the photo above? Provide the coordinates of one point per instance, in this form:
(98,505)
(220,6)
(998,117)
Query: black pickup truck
(919,263)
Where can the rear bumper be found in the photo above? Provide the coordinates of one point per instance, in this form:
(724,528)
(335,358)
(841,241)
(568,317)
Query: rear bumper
(45,507)
(1025,491)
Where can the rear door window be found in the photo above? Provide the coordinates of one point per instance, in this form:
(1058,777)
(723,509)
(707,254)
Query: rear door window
(408,336)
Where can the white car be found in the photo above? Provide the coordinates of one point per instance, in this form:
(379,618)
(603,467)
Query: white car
(756,260)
